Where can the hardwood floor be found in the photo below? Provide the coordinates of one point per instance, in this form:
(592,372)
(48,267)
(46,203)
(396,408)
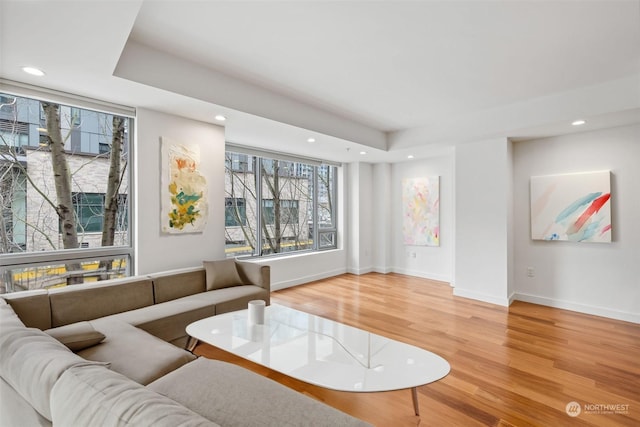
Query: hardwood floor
(516,366)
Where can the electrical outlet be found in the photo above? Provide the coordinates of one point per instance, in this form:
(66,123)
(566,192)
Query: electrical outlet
(531,272)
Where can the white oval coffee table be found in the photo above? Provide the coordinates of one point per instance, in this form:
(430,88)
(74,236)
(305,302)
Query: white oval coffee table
(322,352)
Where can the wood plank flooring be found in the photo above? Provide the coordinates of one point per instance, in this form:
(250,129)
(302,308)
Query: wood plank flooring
(516,366)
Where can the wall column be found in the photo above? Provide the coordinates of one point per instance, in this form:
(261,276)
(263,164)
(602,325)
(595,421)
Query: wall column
(483,180)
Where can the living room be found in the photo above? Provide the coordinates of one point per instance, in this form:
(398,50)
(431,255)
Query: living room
(484,157)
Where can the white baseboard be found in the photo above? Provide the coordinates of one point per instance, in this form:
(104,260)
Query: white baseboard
(424,275)
(359,271)
(581,308)
(481,297)
(356,271)
(306,279)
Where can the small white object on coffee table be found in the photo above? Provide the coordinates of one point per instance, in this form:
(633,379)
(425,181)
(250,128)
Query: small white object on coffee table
(256,312)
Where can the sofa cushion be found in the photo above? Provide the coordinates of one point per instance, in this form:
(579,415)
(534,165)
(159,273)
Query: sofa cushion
(252,273)
(240,397)
(133,352)
(32,307)
(221,274)
(176,284)
(90,301)
(232,299)
(168,320)
(77,336)
(95,396)
(32,361)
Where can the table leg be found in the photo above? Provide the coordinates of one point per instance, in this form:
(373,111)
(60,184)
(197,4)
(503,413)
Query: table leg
(191,344)
(414,395)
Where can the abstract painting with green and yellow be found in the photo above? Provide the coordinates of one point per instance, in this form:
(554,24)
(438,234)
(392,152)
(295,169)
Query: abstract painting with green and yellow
(184,203)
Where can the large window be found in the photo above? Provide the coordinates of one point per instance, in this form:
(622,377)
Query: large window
(276,206)
(64,194)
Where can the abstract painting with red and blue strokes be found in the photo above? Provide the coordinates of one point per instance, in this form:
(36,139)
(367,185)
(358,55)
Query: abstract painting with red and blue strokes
(571,207)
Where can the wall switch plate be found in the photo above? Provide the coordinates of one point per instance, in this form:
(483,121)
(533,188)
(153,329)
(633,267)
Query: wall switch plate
(531,272)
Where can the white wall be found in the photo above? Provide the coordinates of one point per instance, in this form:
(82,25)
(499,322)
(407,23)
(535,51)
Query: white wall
(381,210)
(297,269)
(483,182)
(429,262)
(352,212)
(596,278)
(511,280)
(156,251)
(360,218)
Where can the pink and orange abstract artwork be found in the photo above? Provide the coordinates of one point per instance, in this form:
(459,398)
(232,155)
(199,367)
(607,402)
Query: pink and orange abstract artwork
(421,211)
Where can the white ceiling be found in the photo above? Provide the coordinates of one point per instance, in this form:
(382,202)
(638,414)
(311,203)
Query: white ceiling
(387,77)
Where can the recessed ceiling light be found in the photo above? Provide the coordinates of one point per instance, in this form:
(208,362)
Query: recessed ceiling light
(220,117)
(410,156)
(363,152)
(311,140)
(578,122)
(33,71)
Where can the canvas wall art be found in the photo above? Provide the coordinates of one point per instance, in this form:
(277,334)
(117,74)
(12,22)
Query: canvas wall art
(421,211)
(572,207)
(183,194)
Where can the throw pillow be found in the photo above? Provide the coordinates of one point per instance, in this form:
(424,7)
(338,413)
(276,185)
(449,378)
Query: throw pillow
(77,336)
(221,274)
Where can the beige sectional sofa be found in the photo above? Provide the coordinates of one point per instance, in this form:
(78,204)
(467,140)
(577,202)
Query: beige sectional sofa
(113,353)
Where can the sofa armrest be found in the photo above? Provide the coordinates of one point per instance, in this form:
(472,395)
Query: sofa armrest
(255,274)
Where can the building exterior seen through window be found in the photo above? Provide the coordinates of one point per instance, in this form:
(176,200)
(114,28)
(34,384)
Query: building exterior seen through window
(274,206)
(64,186)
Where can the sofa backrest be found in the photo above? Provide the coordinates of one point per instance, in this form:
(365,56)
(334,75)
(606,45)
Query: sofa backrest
(32,307)
(45,309)
(170,285)
(94,300)
(255,274)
